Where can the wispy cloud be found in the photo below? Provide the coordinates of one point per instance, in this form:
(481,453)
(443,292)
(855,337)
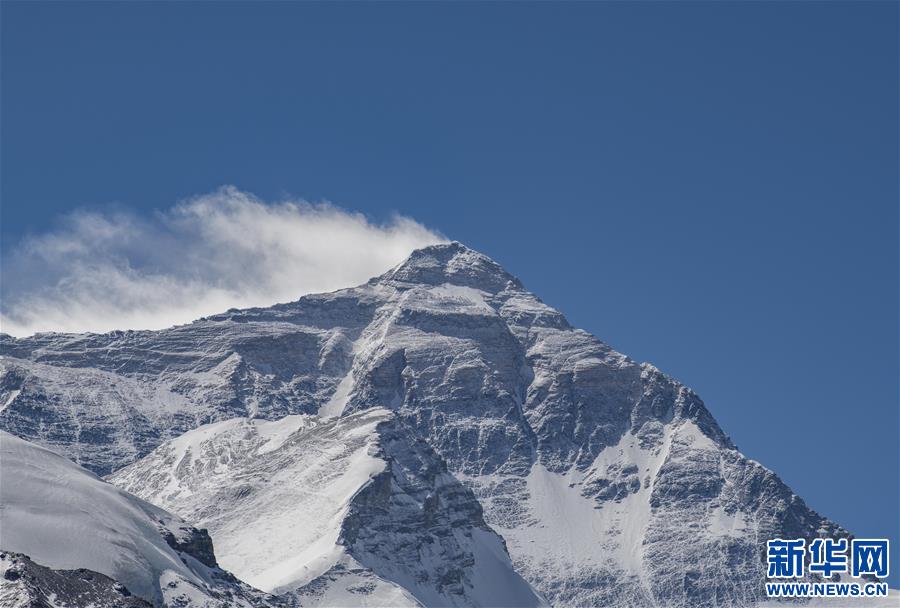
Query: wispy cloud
(104,271)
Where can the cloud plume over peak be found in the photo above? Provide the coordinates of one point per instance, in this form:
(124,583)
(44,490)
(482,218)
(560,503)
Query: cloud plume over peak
(105,271)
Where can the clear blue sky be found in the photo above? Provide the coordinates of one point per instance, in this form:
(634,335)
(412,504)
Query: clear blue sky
(709,187)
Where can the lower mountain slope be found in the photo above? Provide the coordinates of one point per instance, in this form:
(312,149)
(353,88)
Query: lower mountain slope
(56,517)
(320,509)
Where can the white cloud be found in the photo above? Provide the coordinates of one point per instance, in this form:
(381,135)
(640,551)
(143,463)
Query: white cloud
(104,271)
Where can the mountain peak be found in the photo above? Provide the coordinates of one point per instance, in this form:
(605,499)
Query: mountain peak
(609,483)
(452,263)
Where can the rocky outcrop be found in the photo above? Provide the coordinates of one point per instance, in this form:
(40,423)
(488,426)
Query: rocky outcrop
(26,584)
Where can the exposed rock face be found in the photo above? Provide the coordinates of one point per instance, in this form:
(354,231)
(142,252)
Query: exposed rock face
(609,482)
(195,543)
(30,585)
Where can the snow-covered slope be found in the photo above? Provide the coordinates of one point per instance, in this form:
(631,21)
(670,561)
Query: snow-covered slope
(64,517)
(610,482)
(292,507)
(272,494)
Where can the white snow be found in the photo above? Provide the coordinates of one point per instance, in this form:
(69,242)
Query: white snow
(567,530)
(444,299)
(65,517)
(298,474)
(693,436)
(10,398)
(270,434)
(722,523)
(468,296)
(335,405)
(352,586)
(494,582)
(572,530)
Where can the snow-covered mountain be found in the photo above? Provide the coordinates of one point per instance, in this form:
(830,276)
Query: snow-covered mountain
(294,504)
(59,517)
(440,417)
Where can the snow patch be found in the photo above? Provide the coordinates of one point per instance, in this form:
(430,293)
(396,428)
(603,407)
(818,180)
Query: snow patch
(335,405)
(693,436)
(466,295)
(10,398)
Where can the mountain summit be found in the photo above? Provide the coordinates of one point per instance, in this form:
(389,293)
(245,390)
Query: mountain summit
(472,448)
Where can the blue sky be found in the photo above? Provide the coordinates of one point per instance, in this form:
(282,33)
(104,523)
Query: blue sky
(709,187)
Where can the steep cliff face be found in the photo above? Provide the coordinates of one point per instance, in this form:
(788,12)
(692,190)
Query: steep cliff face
(608,481)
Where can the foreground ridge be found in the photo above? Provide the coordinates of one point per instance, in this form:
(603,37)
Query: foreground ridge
(71,539)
